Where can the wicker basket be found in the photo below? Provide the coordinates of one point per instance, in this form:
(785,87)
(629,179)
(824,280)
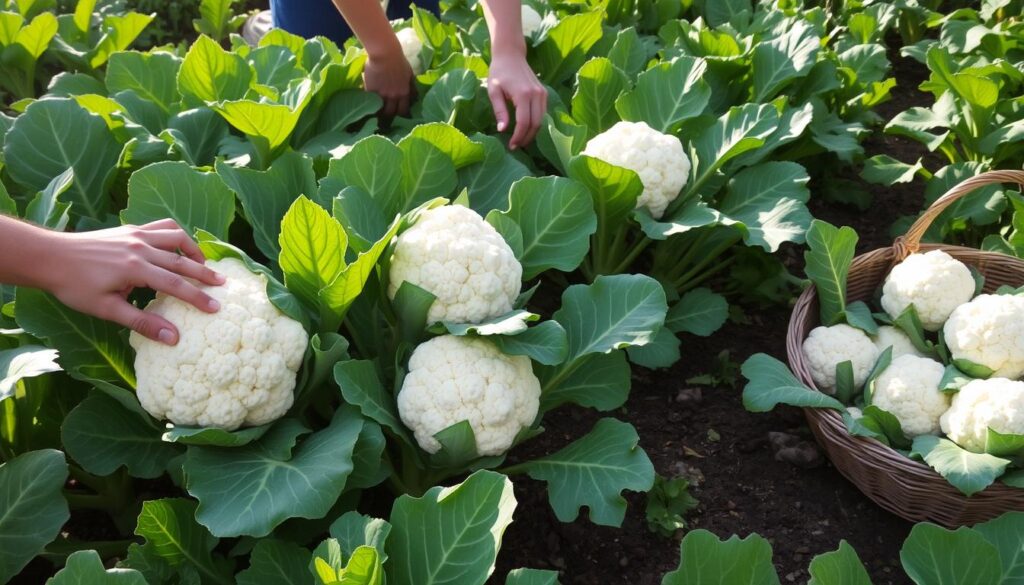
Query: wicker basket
(905,487)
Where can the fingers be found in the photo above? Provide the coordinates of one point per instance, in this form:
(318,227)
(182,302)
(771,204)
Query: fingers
(176,286)
(161,224)
(174,239)
(390,107)
(146,324)
(498,103)
(403,105)
(186,267)
(522,122)
(538,107)
(531,104)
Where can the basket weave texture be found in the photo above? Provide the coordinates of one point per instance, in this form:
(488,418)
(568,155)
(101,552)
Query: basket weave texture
(905,487)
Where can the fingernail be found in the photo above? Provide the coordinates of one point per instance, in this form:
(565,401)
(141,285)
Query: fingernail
(166,336)
(214,305)
(219,278)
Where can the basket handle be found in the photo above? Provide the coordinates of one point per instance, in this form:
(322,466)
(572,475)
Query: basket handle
(910,242)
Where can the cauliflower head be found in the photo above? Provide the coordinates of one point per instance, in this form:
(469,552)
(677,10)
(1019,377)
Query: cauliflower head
(231,368)
(463,261)
(657,158)
(996,403)
(532,20)
(989,331)
(411,46)
(452,379)
(827,347)
(934,282)
(909,390)
(894,337)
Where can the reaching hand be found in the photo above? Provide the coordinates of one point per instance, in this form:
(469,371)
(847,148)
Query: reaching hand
(94,272)
(512,79)
(390,76)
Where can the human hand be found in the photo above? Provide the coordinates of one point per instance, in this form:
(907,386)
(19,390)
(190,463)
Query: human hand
(512,79)
(94,272)
(390,76)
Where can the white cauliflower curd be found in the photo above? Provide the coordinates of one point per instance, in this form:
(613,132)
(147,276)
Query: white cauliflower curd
(827,347)
(411,47)
(909,390)
(454,254)
(230,368)
(989,331)
(889,336)
(532,20)
(453,379)
(934,282)
(657,158)
(996,403)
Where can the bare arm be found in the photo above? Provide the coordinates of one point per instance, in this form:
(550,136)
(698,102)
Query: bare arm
(387,72)
(511,78)
(94,272)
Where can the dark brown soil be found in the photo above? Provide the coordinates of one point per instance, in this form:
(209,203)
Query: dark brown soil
(803,512)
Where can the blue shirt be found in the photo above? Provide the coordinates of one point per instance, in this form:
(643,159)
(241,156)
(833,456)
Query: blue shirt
(310,18)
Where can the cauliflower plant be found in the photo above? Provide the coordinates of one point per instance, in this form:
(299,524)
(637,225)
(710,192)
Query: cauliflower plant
(996,403)
(463,261)
(989,331)
(231,368)
(657,158)
(895,338)
(827,347)
(909,390)
(453,379)
(411,47)
(934,282)
(532,20)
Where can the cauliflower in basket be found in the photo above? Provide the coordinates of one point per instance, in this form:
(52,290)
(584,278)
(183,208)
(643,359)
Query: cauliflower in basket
(827,347)
(909,390)
(934,282)
(996,403)
(989,331)
(231,368)
(453,379)
(889,336)
(454,254)
(657,158)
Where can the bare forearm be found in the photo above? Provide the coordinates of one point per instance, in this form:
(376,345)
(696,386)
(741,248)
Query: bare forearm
(370,24)
(504,21)
(27,263)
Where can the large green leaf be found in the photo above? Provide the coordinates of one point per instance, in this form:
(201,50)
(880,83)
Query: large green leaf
(531,577)
(450,535)
(372,165)
(211,74)
(564,50)
(278,562)
(362,388)
(152,76)
(839,567)
(339,295)
(779,61)
(119,32)
(556,218)
(173,537)
(268,125)
(828,260)
(193,198)
(313,246)
(613,189)
(427,172)
(706,560)
(47,208)
(88,346)
(250,490)
(598,85)
(448,95)
(932,554)
(85,567)
(1006,533)
(740,130)
(27,361)
(699,311)
(771,384)
(124,439)
(196,135)
(593,471)
(602,382)
(769,200)
(667,94)
(32,508)
(488,182)
(354,530)
(966,471)
(544,343)
(37,149)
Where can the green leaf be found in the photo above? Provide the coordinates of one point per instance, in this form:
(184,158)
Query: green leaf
(556,217)
(968,472)
(1003,445)
(85,567)
(531,577)
(450,535)
(598,84)
(361,386)
(601,381)
(771,384)
(667,505)
(172,534)
(845,387)
(339,295)
(196,135)
(119,31)
(313,246)
(27,361)
(909,323)
(353,530)
(372,166)
(883,169)
(88,346)
(213,437)
(710,561)
(511,323)
(776,63)
(1006,533)
(32,161)
(211,74)
(427,172)
(152,76)
(215,18)
(667,94)
(124,439)
(593,471)
(545,343)
(858,315)
(449,94)
(488,182)
(46,208)
(932,554)
(250,490)
(972,369)
(449,140)
(662,352)
(34,509)
(828,260)
(278,562)
(839,567)
(888,425)
(953,380)
(699,311)
(613,189)
(565,48)
(268,125)
(196,200)
(740,130)
(769,201)
(267,195)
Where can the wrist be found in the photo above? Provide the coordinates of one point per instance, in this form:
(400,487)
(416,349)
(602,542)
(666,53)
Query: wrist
(384,49)
(508,47)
